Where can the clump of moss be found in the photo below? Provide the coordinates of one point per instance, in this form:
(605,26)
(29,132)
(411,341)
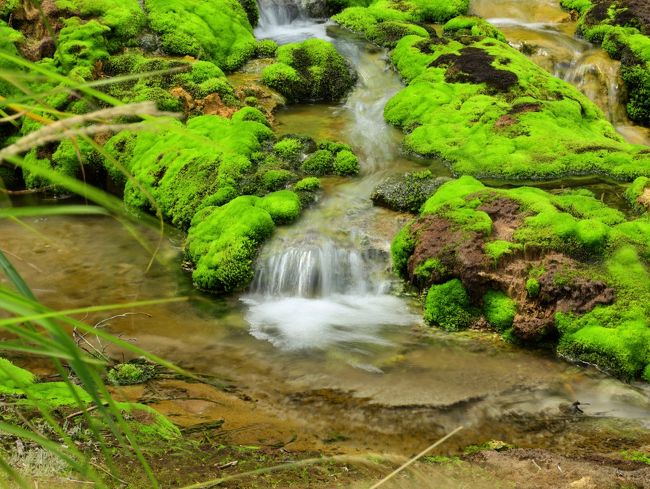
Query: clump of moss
(289,149)
(223,241)
(499,310)
(432,270)
(386,21)
(266,48)
(532,287)
(319,163)
(309,184)
(472,26)
(217,31)
(487,110)
(80,46)
(638,194)
(500,248)
(9,38)
(124,18)
(448,306)
(130,373)
(309,71)
(346,163)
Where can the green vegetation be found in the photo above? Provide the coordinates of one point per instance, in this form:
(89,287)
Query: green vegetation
(130,373)
(499,310)
(472,26)
(346,163)
(309,71)
(622,31)
(384,22)
(448,306)
(638,194)
(217,31)
(602,254)
(489,111)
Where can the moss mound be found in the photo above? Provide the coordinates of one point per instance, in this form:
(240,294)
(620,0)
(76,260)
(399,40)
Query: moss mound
(217,31)
(309,71)
(542,265)
(384,22)
(489,111)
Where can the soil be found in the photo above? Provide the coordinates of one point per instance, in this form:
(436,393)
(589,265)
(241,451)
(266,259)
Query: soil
(474,65)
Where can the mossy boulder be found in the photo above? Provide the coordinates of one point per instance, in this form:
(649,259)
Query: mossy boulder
(384,22)
(223,241)
(447,305)
(217,30)
(311,70)
(638,194)
(622,27)
(472,26)
(489,111)
(568,267)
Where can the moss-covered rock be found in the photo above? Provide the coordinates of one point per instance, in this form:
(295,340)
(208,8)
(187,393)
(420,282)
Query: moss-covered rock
(130,373)
(447,305)
(489,111)
(574,268)
(472,26)
(638,194)
(385,21)
(346,163)
(622,27)
(309,71)
(217,31)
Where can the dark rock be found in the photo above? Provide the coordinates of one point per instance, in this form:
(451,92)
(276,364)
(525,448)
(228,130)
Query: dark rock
(406,193)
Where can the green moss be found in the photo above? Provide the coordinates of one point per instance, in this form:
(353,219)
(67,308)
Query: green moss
(182,167)
(499,248)
(67,160)
(252,11)
(346,163)
(222,243)
(635,191)
(217,31)
(277,179)
(447,305)
(532,287)
(125,18)
(284,206)
(289,149)
(489,111)
(308,71)
(130,373)
(80,46)
(266,48)
(319,163)
(250,114)
(472,26)
(148,424)
(431,270)
(13,377)
(8,40)
(401,249)
(499,310)
(309,184)
(578,5)
(7,7)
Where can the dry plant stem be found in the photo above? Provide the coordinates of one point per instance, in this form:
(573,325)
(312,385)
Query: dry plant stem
(414,459)
(66,128)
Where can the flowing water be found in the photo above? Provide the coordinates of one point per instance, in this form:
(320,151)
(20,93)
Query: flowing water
(322,336)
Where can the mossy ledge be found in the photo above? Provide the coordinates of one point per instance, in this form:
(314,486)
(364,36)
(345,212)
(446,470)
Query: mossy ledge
(561,268)
(488,111)
(622,28)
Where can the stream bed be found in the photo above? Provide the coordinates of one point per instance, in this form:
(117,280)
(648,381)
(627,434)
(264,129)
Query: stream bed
(324,335)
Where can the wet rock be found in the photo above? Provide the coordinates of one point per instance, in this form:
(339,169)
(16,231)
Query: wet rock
(406,193)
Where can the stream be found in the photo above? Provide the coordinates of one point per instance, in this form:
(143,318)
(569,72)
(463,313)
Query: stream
(323,334)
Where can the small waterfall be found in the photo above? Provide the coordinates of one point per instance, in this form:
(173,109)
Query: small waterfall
(287,21)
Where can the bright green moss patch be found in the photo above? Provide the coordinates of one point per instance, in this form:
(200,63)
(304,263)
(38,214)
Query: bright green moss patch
(283,206)
(532,287)
(13,377)
(308,71)
(430,270)
(148,424)
(320,163)
(401,249)
(499,310)
(288,149)
(80,46)
(125,18)
(447,305)
(638,194)
(472,26)
(489,111)
(8,40)
(217,31)
(346,163)
(309,184)
(499,248)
